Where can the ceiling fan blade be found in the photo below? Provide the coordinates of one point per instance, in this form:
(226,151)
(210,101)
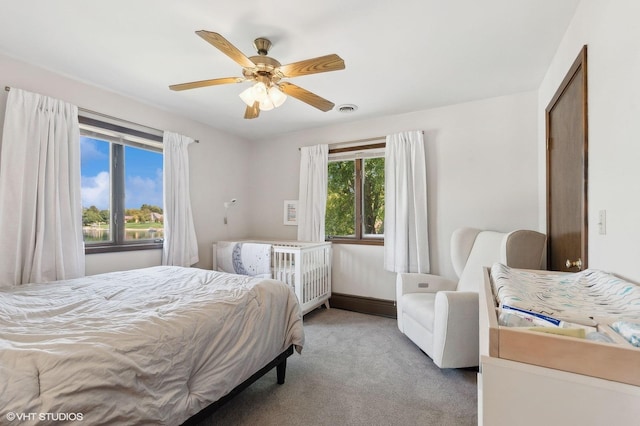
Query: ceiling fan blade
(221,43)
(326,63)
(252,111)
(306,96)
(205,83)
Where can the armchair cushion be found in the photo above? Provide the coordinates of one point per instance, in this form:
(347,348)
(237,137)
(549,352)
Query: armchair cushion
(414,284)
(420,308)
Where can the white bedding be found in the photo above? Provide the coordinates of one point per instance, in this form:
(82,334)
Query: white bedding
(152,346)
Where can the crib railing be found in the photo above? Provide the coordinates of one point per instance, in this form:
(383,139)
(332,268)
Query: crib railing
(305,266)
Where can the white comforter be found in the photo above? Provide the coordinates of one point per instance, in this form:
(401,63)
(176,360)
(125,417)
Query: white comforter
(152,346)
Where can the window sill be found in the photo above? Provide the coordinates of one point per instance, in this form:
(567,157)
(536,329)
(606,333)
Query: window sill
(112,248)
(363,242)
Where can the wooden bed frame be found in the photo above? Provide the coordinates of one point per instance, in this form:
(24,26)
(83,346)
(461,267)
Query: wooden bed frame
(279,362)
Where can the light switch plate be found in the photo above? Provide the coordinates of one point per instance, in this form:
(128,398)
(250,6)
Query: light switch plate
(602,222)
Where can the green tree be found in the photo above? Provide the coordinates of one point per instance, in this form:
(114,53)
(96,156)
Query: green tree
(373,196)
(341,197)
(340,212)
(106,216)
(145,214)
(154,209)
(133,215)
(91,216)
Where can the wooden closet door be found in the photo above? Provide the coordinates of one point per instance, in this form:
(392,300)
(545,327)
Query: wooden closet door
(567,219)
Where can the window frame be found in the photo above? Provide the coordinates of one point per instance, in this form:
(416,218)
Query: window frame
(127,137)
(358,238)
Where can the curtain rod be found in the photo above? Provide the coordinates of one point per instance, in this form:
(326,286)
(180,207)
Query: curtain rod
(7,89)
(377,138)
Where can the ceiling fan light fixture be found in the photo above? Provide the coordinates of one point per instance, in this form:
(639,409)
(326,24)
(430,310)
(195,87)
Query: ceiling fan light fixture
(247,96)
(267,98)
(255,93)
(260,91)
(266,104)
(276,96)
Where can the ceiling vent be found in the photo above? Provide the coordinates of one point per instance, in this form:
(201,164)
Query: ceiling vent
(347,108)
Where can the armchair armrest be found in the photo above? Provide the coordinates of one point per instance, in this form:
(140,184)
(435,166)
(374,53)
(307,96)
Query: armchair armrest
(422,283)
(455,329)
(418,283)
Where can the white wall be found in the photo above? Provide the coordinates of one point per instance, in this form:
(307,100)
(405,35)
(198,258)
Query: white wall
(482,171)
(219,166)
(611,32)
(486,158)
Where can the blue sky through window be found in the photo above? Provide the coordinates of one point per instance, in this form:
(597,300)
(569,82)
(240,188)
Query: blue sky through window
(143,175)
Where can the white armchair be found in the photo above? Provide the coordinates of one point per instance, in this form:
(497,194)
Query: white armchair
(440,315)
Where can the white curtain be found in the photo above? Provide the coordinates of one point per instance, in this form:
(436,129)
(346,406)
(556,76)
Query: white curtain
(180,243)
(312,199)
(40,202)
(406,238)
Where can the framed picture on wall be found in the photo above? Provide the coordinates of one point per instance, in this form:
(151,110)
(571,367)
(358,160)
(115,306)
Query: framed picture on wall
(290,212)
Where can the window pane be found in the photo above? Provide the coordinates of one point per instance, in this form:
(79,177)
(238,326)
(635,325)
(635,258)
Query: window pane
(373,197)
(340,214)
(143,213)
(96,189)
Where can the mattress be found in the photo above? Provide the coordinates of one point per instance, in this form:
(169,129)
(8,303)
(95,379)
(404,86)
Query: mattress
(151,346)
(583,295)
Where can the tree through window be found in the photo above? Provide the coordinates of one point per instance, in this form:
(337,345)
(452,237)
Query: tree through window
(355,195)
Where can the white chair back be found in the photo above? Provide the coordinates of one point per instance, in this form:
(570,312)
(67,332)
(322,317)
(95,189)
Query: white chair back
(462,241)
(518,249)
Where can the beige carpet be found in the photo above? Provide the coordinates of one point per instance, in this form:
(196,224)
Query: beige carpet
(356,369)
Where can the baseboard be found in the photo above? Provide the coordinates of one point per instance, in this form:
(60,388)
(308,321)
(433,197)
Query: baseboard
(364,305)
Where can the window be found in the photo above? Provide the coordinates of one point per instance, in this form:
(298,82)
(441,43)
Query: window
(122,197)
(355,195)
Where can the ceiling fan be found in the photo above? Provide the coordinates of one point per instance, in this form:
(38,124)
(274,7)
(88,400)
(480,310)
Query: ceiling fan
(269,91)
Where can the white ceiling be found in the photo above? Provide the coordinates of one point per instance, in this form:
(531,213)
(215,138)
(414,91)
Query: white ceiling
(400,56)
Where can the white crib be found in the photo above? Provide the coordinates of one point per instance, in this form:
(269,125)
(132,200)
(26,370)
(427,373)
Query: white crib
(304,266)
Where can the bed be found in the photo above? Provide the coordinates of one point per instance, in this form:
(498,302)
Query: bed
(150,346)
(305,266)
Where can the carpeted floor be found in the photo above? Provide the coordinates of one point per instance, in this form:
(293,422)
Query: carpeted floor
(356,369)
